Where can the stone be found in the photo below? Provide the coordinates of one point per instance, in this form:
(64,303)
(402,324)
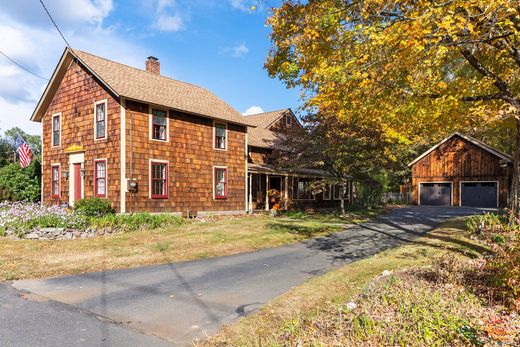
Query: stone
(52,230)
(32,236)
(101,232)
(68,236)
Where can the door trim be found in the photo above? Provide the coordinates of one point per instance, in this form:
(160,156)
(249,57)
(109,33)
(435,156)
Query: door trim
(419,193)
(76,158)
(491,181)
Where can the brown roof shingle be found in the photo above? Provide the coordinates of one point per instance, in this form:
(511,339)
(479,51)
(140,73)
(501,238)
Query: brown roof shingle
(151,88)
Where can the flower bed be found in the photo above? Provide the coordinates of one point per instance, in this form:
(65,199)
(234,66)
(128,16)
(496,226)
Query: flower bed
(33,221)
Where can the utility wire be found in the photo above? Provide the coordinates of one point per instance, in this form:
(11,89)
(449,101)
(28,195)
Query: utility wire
(55,25)
(21,66)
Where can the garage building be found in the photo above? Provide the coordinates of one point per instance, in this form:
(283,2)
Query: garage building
(461,171)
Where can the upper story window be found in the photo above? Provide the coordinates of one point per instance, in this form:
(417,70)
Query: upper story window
(100,120)
(158,180)
(159,125)
(220,180)
(55,176)
(288,120)
(220,136)
(100,177)
(56,130)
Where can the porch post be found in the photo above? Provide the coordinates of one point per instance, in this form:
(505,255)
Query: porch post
(286,192)
(250,196)
(266,190)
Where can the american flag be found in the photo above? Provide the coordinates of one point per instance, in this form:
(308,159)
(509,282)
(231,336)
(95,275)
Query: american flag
(24,152)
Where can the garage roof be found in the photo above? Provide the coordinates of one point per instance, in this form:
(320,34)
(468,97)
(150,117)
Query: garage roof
(476,142)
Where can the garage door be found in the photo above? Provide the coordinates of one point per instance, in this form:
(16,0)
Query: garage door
(435,194)
(479,194)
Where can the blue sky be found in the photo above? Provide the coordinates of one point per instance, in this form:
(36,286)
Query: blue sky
(220,45)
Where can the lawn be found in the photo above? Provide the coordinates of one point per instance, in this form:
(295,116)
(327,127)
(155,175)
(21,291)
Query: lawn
(194,240)
(400,309)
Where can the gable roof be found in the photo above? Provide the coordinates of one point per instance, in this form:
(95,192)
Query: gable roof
(476,142)
(262,136)
(132,83)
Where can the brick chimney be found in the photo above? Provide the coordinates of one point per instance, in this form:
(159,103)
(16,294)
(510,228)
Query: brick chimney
(153,65)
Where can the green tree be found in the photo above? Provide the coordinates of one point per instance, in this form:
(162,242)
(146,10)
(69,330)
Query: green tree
(17,184)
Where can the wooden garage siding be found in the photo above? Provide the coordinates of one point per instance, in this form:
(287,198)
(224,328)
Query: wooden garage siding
(191,160)
(459,160)
(75,99)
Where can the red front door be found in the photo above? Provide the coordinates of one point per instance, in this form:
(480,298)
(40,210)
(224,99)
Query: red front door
(77,181)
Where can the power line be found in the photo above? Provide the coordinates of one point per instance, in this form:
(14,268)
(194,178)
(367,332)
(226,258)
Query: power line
(55,25)
(22,67)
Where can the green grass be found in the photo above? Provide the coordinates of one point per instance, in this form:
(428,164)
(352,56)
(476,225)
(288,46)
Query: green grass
(308,315)
(194,240)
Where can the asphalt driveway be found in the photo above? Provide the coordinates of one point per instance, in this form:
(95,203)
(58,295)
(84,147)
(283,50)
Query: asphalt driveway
(178,302)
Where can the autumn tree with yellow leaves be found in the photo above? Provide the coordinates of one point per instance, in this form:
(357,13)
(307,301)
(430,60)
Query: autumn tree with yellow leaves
(412,68)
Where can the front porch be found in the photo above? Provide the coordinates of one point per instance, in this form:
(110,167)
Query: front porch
(270,188)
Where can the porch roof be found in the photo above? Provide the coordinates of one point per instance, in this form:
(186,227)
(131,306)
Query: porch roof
(270,169)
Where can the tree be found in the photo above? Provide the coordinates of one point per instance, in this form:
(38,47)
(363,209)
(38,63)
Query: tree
(346,152)
(417,69)
(17,184)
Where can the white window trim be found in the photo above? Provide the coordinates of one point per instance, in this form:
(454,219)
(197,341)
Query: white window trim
(227,182)
(215,133)
(150,123)
(59,180)
(104,101)
(167,162)
(419,190)
(52,127)
(330,193)
(106,178)
(297,192)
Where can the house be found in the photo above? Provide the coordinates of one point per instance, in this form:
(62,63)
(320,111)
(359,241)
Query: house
(144,141)
(294,186)
(461,171)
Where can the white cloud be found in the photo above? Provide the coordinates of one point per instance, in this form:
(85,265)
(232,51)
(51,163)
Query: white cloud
(237,51)
(168,17)
(246,5)
(253,110)
(29,38)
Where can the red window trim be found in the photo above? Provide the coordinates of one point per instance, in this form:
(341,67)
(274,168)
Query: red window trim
(160,125)
(159,196)
(216,124)
(97,137)
(225,182)
(55,182)
(96,178)
(57,115)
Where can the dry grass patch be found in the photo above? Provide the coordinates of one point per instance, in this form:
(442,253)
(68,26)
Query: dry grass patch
(308,314)
(195,240)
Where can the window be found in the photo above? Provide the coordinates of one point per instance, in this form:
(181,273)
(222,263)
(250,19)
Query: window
(220,136)
(288,120)
(159,180)
(338,191)
(100,177)
(327,192)
(55,186)
(159,125)
(220,188)
(56,130)
(100,120)
(303,189)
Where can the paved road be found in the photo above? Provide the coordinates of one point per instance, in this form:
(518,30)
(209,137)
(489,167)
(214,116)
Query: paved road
(181,301)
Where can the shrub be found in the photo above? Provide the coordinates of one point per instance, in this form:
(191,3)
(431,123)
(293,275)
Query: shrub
(17,184)
(93,207)
(134,222)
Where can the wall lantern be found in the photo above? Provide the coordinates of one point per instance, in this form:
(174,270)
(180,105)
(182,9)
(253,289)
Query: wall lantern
(82,172)
(66,174)
(503,162)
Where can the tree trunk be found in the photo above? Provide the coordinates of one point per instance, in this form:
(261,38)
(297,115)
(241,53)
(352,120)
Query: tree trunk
(515,185)
(342,193)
